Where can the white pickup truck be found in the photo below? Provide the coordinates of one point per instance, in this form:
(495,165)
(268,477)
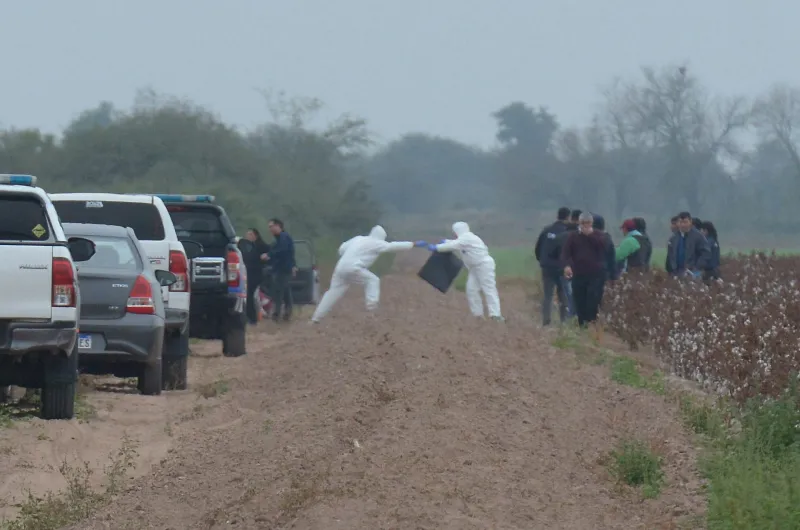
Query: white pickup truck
(39,298)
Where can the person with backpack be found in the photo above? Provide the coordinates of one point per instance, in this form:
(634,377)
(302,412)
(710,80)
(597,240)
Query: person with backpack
(633,249)
(641,226)
(548,254)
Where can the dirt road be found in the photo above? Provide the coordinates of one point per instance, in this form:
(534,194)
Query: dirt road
(416,418)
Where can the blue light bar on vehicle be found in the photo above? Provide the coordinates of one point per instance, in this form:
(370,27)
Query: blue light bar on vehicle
(18,180)
(185,198)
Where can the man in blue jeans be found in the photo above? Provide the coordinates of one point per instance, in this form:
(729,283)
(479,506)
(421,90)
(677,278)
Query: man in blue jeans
(548,254)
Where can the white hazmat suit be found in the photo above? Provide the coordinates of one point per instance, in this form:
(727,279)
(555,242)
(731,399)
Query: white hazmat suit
(481,266)
(356,257)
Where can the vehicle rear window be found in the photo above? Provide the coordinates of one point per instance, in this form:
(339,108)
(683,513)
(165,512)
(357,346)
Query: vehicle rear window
(202,225)
(23,218)
(112,253)
(142,217)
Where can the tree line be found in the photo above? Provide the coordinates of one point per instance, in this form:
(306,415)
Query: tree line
(657,143)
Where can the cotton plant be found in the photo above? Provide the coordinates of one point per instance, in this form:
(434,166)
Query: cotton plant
(738,337)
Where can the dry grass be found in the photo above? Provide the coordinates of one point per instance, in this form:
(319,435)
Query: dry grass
(79,500)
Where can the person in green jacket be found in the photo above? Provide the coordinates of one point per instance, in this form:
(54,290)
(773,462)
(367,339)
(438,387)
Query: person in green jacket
(632,251)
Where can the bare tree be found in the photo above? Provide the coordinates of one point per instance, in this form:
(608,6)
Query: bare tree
(691,129)
(626,140)
(777,118)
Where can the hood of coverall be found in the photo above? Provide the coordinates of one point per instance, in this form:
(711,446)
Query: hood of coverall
(460,228)
(378,232)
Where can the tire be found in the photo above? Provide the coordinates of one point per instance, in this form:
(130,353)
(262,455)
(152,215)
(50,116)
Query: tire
(174,360)
(150,379)
(234,343)
(58,401)
(60,387)
(175,373)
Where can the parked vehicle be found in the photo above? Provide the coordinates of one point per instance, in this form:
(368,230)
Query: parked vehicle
(122,312)
(153,227)
(219,282)
(40,304)
(305,283)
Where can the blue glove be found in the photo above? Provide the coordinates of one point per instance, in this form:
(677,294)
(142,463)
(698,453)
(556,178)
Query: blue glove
(442,241)
(432,248)
(421,243)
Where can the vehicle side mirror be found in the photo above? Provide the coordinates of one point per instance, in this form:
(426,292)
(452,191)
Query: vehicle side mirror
(245,246)
(165,278)
(193,249)
(80,248)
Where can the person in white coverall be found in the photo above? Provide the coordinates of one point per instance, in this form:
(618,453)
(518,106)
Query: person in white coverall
(481,267)
(356,257)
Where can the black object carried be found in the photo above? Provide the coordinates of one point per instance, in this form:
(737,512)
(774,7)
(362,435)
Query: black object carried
(440,270)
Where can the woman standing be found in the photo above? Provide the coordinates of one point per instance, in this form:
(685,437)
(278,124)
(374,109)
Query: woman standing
(710,231)
(255,259)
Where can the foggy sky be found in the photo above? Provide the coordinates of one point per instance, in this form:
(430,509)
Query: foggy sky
(436,66)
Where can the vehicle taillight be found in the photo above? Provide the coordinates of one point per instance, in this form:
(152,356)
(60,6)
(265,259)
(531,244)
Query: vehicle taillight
(180,268)
(63,283)
(140,301)
(234,264)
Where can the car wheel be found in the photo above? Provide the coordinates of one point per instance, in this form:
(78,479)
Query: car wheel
(233,345)
(174,360)
(150,379)
(174,373)
(60,387)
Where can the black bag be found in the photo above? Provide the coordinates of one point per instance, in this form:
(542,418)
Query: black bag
(440,270)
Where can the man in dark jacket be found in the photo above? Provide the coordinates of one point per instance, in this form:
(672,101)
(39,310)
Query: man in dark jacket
(712,266)
(548,255)
(610,264)
(585,257)
(255,259)
(647,244)
(673,229)
(688,252)
(281,258)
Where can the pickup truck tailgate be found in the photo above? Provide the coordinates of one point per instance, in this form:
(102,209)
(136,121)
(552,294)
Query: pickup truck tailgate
(26,278)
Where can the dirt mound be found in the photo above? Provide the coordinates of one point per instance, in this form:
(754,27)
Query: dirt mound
(417,417)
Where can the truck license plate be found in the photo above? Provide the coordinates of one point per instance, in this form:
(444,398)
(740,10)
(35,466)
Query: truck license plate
(84,342)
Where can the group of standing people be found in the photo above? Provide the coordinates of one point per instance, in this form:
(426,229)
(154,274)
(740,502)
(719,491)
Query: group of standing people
(578,257)
(693,248)
(271,268)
